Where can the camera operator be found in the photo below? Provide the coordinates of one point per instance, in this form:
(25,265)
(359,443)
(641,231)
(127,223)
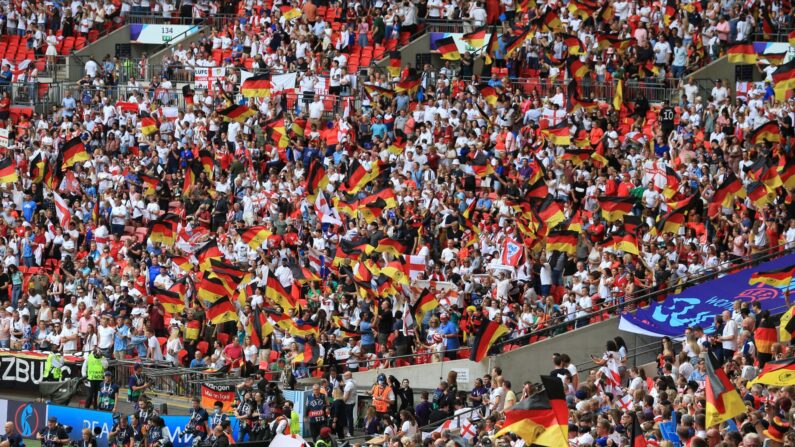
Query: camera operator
(88,439)
(218,416)
(52,435)
(11,438)
(136,386)
(154,431)
(197,420)
(121,435)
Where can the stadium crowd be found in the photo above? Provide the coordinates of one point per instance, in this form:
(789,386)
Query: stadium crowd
(263,232)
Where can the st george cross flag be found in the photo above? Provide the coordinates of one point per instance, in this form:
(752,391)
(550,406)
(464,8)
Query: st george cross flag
(325,212)
(511,252)
(416,266)
(62,210)
(288,441)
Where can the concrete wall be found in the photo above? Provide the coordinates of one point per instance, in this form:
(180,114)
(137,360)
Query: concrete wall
(529,362)
(408,54)
(428,376)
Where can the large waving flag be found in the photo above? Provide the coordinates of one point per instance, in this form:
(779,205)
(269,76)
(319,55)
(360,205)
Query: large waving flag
(511,252)
(8,174)
(489,333)
(62,210)
(73,152)
(775,278)
(723,400)
(779,373)
(541,419)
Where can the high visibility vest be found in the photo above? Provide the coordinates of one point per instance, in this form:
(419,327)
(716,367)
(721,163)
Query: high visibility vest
(94,368)
(295,422)
(50,369)
(380,399)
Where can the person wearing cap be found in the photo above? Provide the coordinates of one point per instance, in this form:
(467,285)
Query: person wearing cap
(52,434)
(108,395)
(325,439)
(382,394)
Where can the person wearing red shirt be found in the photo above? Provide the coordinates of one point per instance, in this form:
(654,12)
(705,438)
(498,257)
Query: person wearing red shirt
(233,353)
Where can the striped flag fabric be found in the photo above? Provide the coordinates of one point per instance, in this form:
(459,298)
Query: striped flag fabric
(489,333)
(8,173)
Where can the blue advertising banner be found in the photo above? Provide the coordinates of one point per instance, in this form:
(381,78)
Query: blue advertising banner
(79,418)
(699,304)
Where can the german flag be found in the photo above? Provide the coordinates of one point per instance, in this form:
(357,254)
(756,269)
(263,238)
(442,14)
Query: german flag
(183,262)
(784,76)
(148,125)
(559,134)
(53,175)
(277,133)
(723,400)
(636,433)
(564,241)
(728,190)
(759,194)
(304,274)
(409,85)
(424,304)
(516,42)
(607,13)
(538,190)
(149,183)
(398,144)
(489,94)
(316,179)
(765,336)
(392,246)
(171,301)
(791,38)
(575,103)
(774,58)
(768,27)
(448,49)
(672,181)
(207,161)
(577,156)
(779,278)
(605,41)
(210,288)
(621,240)
(742,53)
(489,333)
(396,270)
(359,177)
(276,293)
(768,132)
(252,325)
(779,373)
(206,253)
(371,210)
(481,166)
(491,48)
(257,86)
(671,222)
(304,330)
(394,63)
(225,270)
(550,21)
(614,208)
(476,38)
(237,113)
(583,10)
(541,419)
(550,213)
(372,90)
(222,311)
(8,173)
(573,43)
(164,229)
(191,176)
(73,152)
(290,12)
(38,166)
(787,174)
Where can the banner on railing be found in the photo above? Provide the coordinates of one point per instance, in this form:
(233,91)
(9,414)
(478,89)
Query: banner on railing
(212,393)
(79,418)
(699,304)
(206,77)
(25,369)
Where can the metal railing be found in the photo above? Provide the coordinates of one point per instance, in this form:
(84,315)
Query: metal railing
(152,18)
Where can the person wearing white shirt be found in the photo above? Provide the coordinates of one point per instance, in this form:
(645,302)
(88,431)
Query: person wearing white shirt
(284,274)
(68,337)
(105,334)
(729,335)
